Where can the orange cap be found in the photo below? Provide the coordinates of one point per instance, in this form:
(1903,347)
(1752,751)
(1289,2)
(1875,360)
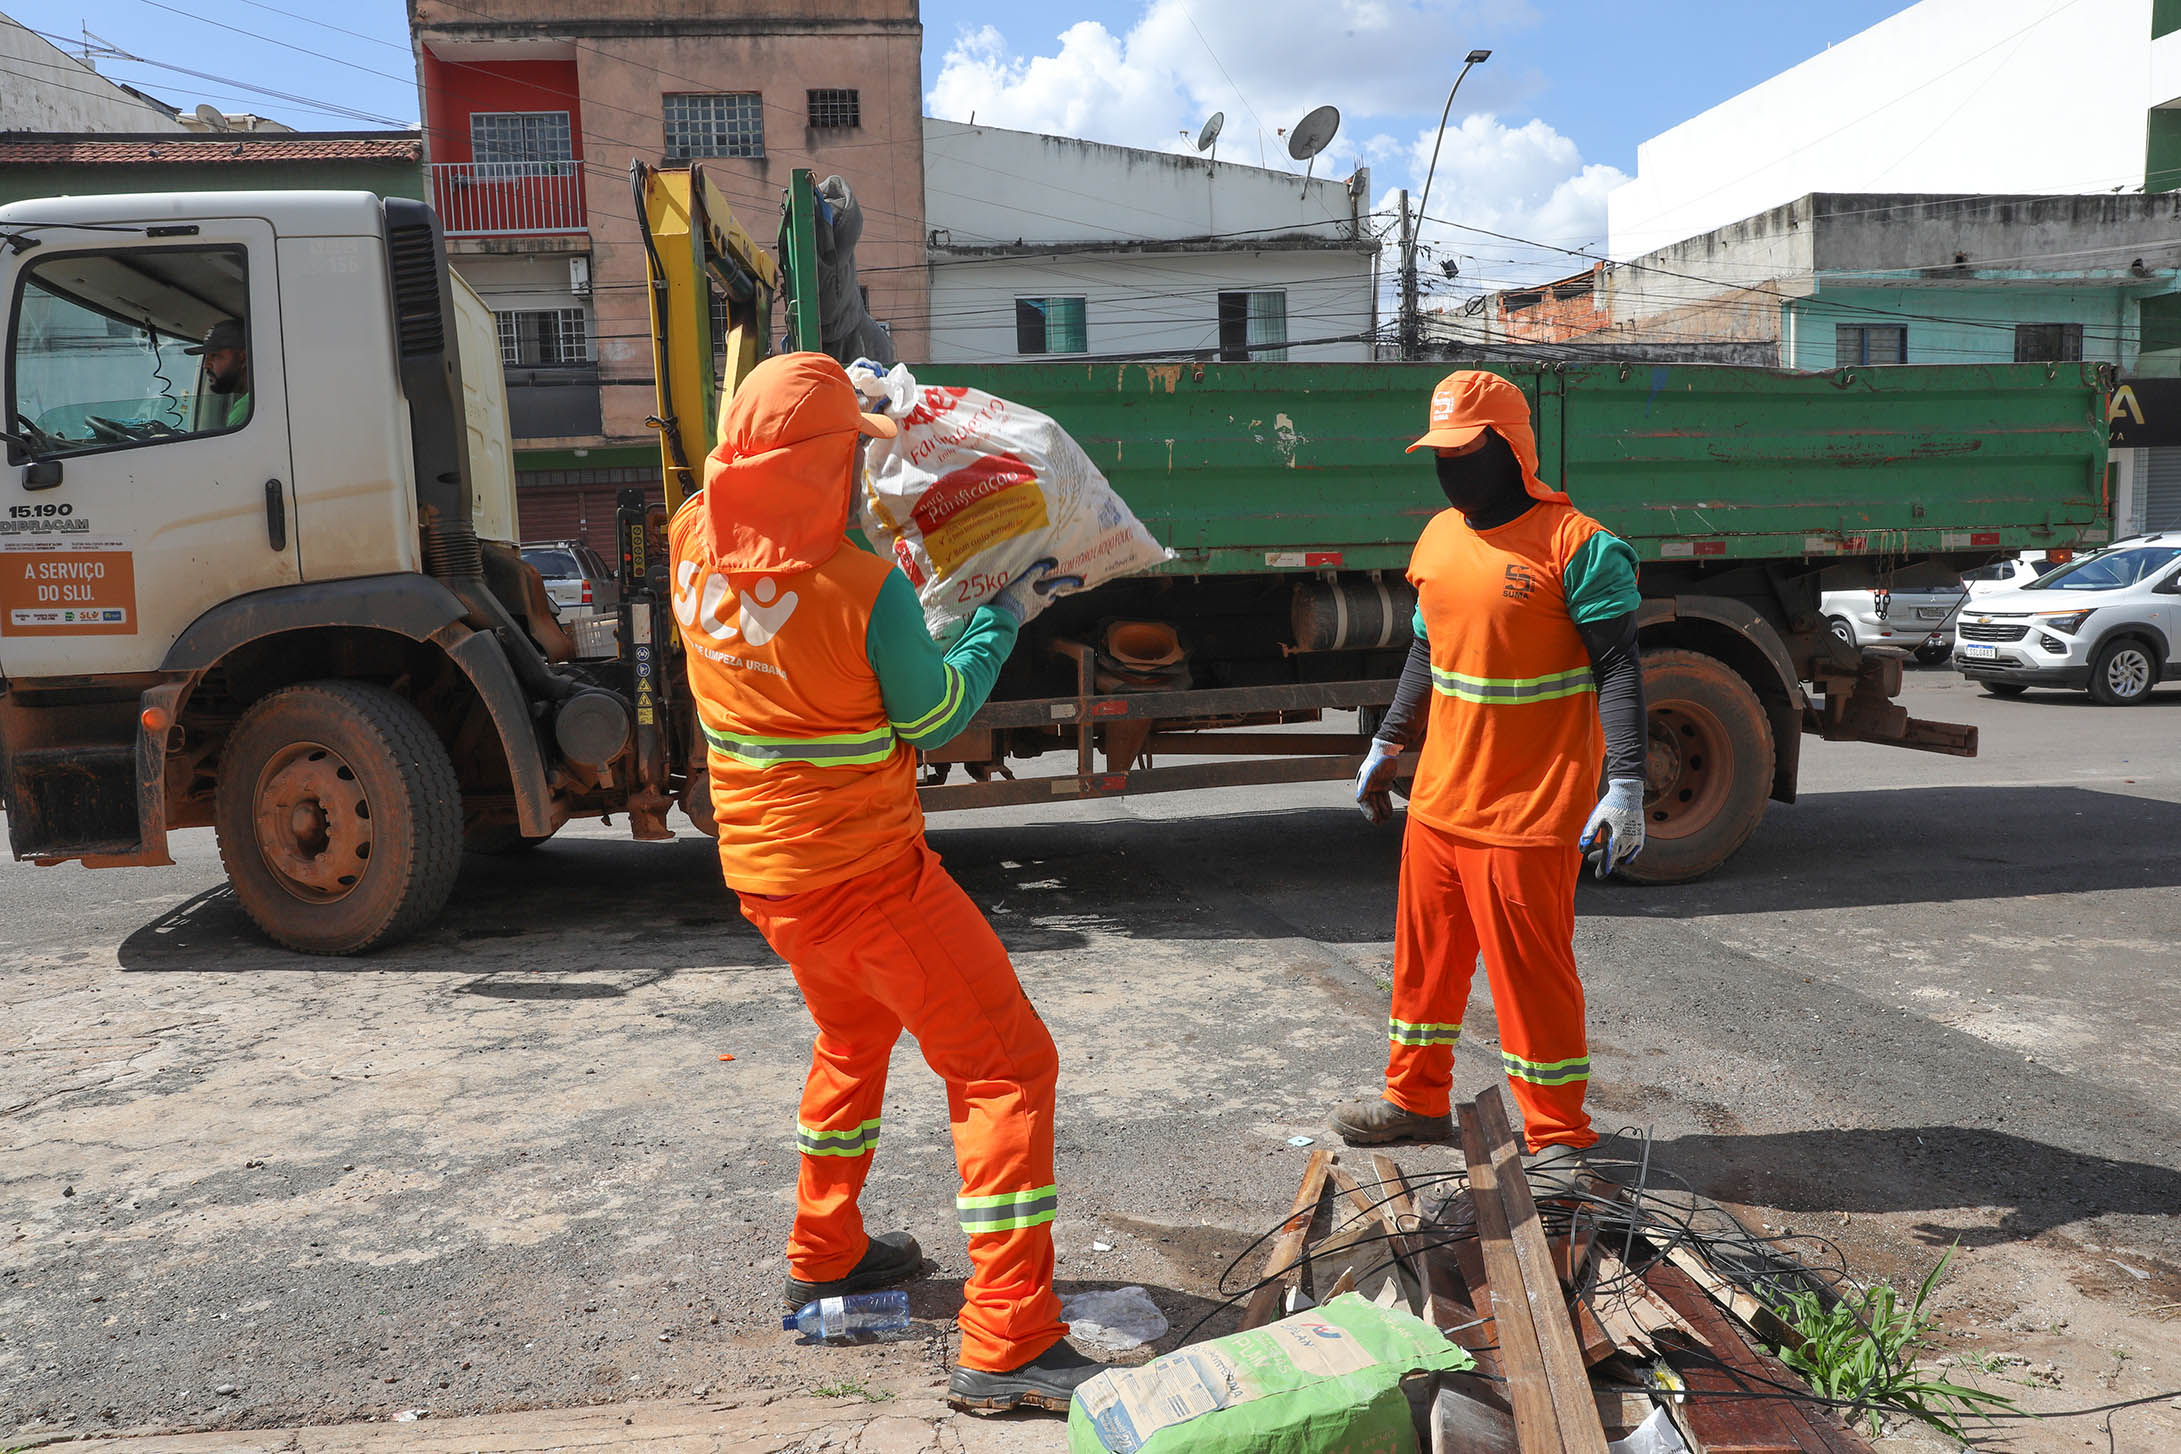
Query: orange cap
(1466,404)
(1470,401)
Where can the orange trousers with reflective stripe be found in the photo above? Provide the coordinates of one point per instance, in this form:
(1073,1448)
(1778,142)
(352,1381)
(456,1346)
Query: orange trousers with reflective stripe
(1517,905)
(902,947)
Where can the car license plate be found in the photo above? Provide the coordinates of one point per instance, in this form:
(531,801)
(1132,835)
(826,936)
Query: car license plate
(1931,613)
(1979,653)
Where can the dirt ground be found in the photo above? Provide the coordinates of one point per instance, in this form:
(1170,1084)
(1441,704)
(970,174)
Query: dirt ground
(505,1167)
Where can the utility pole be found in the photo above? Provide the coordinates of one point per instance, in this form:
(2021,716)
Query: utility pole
(1409,329)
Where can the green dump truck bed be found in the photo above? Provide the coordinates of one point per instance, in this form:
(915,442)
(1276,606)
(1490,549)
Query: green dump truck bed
(1248,467)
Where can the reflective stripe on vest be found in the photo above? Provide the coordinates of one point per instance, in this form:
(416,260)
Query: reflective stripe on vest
(847,749)
(1504,691)
(1008,1211)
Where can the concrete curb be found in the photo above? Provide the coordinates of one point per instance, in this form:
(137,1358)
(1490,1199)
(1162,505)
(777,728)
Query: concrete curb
(775,1424)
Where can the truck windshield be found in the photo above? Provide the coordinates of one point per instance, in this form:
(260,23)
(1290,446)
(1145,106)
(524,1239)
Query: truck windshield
(2108,572)
(129,347)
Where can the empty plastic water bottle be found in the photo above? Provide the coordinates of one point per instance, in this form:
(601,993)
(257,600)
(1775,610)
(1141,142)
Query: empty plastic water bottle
(827,1318)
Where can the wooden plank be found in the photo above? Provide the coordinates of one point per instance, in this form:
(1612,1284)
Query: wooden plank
(1264,1304)
(1462,1423)
(1565,1374)
(1761,1320)
(1742,1424)
(1522,1359)
(1396,1209)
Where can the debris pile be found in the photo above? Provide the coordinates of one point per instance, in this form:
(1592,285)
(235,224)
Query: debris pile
(1595,1318)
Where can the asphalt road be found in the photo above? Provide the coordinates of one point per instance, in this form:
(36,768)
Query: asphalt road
(506,1165)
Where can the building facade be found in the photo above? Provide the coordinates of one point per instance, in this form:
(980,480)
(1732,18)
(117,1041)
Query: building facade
(534,110)
(1046,247)
(2020,97)
(49,90)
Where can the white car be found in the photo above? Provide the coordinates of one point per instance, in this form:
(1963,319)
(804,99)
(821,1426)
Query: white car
(2105,623)
(1914,618)
(2002,575)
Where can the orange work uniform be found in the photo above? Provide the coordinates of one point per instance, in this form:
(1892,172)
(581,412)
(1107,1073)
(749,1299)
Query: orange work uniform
(822,837)
(1508,773)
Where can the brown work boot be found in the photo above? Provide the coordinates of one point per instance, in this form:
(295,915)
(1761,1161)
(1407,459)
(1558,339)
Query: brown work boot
(1381,1123)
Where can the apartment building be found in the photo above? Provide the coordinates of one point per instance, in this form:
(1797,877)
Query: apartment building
(533,111)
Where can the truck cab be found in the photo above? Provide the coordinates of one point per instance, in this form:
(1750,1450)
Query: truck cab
(256,567)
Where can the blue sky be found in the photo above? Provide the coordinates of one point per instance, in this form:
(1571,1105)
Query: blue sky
(1539,134)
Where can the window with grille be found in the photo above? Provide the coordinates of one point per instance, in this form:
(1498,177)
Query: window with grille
(1050,325)
(1856,343)
(835,110)
(520,143)
(2048,343)
(1253,326)
(729,124)
(543,336)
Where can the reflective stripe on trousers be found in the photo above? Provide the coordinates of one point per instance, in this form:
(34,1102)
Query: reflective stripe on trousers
(854,1141)
(1008,1211)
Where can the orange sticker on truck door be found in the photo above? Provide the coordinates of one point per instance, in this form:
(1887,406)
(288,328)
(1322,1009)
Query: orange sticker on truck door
(67,593)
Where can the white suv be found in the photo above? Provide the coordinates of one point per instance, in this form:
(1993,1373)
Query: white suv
(2106,622)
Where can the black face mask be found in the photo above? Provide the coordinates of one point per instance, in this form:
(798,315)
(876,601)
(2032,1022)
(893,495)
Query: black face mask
(1486,486)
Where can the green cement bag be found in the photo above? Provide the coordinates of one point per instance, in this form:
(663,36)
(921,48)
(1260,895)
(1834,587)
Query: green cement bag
(1325,1381)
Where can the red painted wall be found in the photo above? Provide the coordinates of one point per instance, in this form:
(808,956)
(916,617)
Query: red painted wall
(454,89)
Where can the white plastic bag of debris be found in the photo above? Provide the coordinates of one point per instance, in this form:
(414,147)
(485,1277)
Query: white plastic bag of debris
(975,490)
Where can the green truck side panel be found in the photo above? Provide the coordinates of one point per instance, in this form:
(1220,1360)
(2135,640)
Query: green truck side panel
(387,179)
(1245,467)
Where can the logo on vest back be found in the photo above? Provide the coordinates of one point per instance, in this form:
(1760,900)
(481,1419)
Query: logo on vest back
(764,610)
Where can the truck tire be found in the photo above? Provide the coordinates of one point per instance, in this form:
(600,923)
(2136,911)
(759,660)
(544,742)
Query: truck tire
(1709,767)
(2123,672)
(339,817)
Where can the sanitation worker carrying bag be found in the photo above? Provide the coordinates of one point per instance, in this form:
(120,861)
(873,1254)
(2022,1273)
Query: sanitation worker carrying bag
(814,682)
(975,490)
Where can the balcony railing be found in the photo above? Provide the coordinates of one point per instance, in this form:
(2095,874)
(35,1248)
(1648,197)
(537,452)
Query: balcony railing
(498,199)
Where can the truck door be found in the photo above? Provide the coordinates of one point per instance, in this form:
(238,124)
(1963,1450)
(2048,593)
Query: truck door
(147,439)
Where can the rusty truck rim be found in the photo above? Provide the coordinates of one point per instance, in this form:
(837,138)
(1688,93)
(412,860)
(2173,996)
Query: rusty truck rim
(313,822)
(1688,770)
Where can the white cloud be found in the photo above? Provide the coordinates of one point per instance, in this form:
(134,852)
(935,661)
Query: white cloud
(1385,63)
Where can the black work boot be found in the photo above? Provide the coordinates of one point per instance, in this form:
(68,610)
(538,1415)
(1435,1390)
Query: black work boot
(892,1257)
(1381,1123)
(1047,1381)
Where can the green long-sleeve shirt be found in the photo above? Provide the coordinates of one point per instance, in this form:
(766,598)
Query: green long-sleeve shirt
(931,694)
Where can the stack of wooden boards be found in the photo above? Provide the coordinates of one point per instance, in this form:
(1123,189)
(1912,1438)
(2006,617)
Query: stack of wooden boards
(1561,1324)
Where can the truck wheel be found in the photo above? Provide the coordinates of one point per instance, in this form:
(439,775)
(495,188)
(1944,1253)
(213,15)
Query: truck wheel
(2122,673)
(339,817)
(1708,770)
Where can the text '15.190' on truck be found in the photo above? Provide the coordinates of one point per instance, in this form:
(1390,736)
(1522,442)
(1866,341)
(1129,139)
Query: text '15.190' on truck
(287,603)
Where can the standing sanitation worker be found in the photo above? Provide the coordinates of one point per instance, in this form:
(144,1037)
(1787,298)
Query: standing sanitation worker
(1522,675)
(814,680)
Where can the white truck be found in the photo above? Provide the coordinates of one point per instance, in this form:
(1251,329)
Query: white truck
(284,600)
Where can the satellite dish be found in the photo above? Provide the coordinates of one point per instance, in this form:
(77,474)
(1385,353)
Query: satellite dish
(1314,133)
(213,118)
(1209,136)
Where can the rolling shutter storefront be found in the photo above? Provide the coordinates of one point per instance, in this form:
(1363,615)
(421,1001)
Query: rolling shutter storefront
(2161,492)
(577,504)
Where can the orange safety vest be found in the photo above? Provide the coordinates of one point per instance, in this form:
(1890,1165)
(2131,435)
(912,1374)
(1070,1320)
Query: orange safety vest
(1514,749)
(809,783)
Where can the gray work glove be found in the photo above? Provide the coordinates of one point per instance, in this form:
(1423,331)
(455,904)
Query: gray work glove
(1374,780)
(1030,592)
(1614,833)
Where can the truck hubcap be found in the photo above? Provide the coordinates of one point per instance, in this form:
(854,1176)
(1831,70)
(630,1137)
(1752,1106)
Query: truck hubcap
(1686,769)
(313,822)
(2128,673)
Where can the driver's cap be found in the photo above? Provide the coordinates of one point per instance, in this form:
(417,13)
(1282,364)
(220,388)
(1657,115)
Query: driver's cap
(227,333)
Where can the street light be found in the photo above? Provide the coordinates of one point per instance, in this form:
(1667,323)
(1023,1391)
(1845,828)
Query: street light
(1409,322)
(1476,58)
